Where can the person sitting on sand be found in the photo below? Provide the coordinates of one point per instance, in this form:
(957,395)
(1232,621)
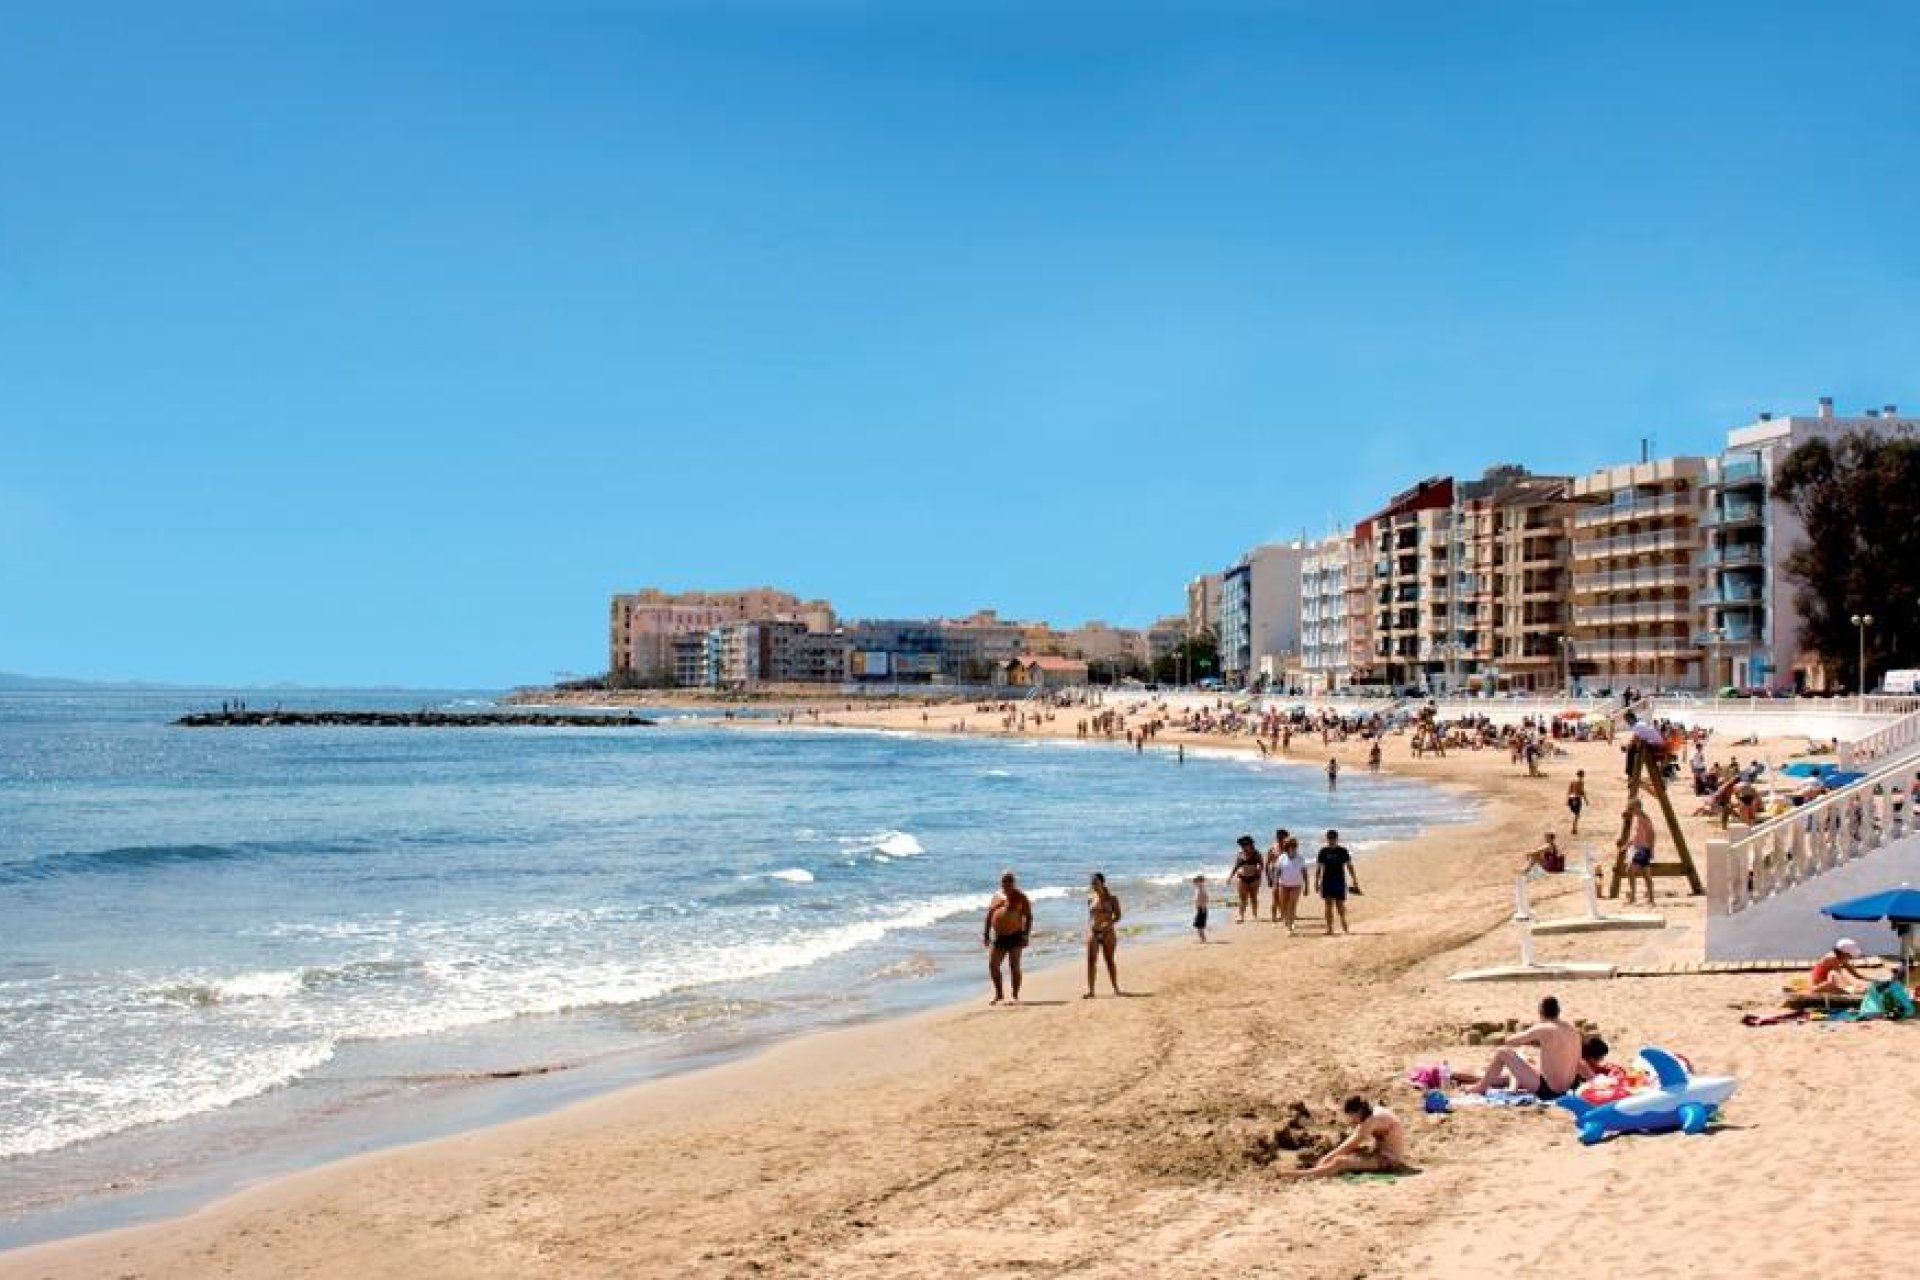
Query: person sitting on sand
(1009,922)
(1593,1065)
(1559,1069)
(1825,979)
(1548,857)
(1103,919)
(1378,1144)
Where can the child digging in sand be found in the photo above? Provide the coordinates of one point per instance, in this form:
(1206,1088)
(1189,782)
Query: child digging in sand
(1378,1144)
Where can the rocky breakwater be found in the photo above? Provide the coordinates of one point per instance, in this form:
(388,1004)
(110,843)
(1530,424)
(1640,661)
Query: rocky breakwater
(422,719)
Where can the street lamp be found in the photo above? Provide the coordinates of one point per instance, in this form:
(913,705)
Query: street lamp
(1861,621)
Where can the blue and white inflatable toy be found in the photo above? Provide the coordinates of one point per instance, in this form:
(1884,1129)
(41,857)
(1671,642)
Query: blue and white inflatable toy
(1682,1101)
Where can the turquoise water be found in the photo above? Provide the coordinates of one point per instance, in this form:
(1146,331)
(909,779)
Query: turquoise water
(214,940)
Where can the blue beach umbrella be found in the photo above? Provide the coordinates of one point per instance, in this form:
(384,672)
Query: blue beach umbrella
(1898,907)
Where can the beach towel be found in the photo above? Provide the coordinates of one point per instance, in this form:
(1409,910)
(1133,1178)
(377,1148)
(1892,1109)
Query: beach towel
(1495,1098)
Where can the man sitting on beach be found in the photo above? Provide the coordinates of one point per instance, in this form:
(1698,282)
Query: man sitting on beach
(1559,1069)
(1009,921)
(1378,1144)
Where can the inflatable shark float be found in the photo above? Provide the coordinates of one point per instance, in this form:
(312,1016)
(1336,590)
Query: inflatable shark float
(1682,1101)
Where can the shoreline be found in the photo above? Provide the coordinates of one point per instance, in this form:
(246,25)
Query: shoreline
(718,1169)
(317,1137)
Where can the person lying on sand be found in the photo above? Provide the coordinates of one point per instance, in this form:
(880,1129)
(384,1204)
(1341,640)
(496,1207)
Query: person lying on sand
(1559,1069)
(1826,980)
(1378,1144)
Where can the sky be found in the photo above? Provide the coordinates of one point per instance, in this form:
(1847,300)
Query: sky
(380,343)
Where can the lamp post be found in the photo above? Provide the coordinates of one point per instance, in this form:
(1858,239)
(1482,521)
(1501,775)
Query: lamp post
(1861,621)
(1566,664)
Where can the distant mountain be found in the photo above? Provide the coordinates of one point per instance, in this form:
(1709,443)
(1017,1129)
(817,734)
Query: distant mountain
(12,683)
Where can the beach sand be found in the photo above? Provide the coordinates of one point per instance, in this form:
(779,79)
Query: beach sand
(1127,1137)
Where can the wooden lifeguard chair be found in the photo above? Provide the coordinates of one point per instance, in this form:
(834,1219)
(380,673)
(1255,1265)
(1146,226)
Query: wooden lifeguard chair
(1643,770)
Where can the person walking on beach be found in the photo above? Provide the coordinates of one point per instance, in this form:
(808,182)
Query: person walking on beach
(1333,874)
(1638,845)
(1103,919)
(1577,797)
(1378,1144)
(1009,924)
(1246,873)
(1373,757)
(1289,880)
(1333,773)
(1200,907)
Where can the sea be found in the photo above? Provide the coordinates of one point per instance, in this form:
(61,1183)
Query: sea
(230,953)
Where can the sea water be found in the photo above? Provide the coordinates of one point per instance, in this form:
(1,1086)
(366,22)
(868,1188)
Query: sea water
(222,942)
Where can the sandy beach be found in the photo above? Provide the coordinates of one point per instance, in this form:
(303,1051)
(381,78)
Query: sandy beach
(1124,1137)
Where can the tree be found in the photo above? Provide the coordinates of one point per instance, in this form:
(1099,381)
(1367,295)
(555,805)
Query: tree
(1859,498)
(1190,660)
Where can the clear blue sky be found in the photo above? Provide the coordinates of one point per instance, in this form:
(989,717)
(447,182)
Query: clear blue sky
(357,342)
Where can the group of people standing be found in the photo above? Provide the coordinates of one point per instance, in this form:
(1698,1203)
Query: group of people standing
(1283,870)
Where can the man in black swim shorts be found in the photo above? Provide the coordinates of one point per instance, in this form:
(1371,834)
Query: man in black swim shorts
(1004,934)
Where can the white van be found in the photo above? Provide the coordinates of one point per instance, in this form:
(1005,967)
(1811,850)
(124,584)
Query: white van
(1906,681)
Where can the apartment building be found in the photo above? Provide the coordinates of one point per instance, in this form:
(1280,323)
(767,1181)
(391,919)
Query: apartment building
(1325,664)
(1390,637)
(1517,628)
(1750,621)
(1260,600)
(1639,562)
(1203,604)
(739,654)
(642,624)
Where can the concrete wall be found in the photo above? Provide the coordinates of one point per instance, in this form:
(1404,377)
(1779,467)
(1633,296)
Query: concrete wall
(1789,924)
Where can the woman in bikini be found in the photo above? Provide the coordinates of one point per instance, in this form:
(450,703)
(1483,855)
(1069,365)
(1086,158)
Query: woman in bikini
(1103,917)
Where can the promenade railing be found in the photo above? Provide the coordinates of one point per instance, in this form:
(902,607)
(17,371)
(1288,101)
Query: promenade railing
(1813,839)
(1903,735)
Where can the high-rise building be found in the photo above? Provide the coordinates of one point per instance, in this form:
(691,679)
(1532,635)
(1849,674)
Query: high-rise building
(1750,620)
(1638,564)
(1325,663)
(1260,612)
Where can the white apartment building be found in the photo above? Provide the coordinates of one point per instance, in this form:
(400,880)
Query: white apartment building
(1260,612)
(1750,622)
(1325,663)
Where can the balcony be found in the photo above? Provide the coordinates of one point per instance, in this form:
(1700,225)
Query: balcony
(1729,595)
(1740,474)
(1633,612)
(1631,508)
(1644,578)
(1739,553)
(1636,544)
(1733,514)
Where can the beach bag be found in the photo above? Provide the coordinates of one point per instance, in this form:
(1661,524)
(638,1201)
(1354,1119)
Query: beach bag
(1887,999)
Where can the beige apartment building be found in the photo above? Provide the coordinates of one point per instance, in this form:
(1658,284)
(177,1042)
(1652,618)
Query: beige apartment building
(643,624)
(1638,565)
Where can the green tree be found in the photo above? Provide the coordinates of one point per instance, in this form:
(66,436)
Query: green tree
(1859,498)
(1190,660)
